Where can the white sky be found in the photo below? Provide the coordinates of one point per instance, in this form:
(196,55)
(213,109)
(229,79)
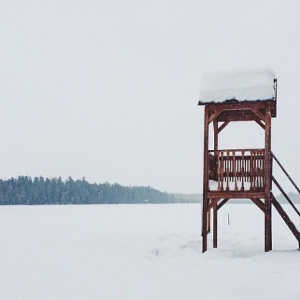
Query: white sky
(109,89)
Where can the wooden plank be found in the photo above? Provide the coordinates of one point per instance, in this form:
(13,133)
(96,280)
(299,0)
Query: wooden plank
(243,111)
(232,105)
(223,126)
(260,123)
(214,115)
(236,117)
(212,203)
(239,150)
(259,203)
(257,112)
(222,203)
(235,194)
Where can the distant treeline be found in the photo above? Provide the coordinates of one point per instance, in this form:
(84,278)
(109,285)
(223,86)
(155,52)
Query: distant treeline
(294,197)
(39,190)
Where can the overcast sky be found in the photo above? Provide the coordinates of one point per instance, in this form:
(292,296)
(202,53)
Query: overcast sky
(108,90)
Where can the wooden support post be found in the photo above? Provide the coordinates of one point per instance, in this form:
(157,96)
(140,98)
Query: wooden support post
(208,218)
(215,234)
(216,131)
(204,223)
(268,176)
(205,182)
(268,224)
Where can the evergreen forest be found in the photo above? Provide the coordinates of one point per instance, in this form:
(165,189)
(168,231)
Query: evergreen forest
(27,191)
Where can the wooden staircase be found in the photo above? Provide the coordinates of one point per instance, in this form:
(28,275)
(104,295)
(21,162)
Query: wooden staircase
(279,207)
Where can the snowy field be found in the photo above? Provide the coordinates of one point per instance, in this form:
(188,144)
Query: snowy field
(142,252)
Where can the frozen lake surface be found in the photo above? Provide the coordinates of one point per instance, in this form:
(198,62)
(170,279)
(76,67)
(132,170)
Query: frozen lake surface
(139,252)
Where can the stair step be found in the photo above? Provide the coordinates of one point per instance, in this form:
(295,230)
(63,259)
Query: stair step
(286,218)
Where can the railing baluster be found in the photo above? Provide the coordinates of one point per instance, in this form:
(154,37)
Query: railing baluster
(246,169)
(237,167)
(219,169)
(261,170)
(234,171)
(231,169)
(222,170)
(255,170)
(243,170)
(251,170)
(227,171)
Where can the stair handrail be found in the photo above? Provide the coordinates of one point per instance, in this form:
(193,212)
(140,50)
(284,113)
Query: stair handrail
(283,214)
(286,196)
(285,172)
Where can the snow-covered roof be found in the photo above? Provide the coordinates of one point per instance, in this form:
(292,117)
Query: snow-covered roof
(246,85)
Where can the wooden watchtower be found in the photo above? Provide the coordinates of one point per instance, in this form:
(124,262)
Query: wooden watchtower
(238,173)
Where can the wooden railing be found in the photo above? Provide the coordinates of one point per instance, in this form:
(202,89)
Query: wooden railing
(279,186)
(279,207)
(237,169)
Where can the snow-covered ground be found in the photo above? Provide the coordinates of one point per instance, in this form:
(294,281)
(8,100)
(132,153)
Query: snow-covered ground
(142,252)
